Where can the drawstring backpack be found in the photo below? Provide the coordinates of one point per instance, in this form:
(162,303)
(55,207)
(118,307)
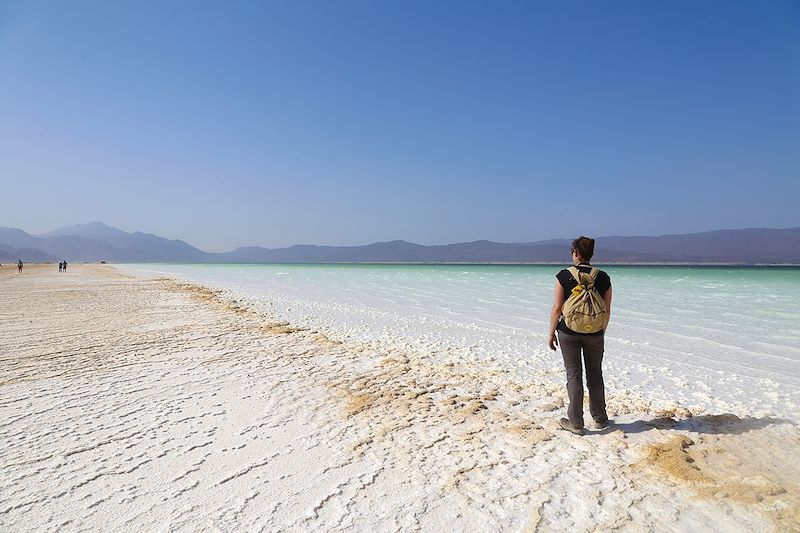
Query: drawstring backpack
(585,310)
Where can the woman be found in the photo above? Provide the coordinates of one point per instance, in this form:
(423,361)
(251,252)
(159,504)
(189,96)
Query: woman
(574,344)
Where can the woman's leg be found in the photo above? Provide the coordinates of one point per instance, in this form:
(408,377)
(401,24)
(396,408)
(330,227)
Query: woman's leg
(571,351)
(593,358)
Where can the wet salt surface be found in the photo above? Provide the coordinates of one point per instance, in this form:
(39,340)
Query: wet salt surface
(707,339)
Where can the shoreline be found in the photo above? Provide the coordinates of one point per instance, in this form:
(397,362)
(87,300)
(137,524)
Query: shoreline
(408,441)
(497,316)
(468,263)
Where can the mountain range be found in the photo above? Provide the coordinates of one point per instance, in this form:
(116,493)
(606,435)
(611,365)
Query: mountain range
(98,242)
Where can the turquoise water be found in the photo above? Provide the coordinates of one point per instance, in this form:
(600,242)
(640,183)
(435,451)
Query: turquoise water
(718,339)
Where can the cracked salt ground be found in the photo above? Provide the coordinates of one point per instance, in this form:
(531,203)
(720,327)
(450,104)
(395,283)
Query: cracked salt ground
(131,404)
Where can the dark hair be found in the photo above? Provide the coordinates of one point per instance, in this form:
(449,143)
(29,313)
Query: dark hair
(584,246)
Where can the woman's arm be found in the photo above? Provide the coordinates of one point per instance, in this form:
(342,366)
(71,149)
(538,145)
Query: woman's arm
(555,314)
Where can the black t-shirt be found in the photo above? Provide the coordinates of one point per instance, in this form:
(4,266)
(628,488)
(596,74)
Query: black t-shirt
(602,283)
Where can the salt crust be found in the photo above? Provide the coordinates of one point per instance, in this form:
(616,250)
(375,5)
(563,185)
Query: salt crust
(136,404)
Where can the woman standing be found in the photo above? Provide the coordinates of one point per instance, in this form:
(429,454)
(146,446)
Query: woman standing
(579,347)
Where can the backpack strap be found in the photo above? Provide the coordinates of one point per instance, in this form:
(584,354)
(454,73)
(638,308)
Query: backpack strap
(593,274)
(575,274)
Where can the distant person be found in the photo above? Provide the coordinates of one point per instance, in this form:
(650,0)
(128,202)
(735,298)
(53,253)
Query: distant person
(65,266)
(19,266)
(580,314)
(60,266)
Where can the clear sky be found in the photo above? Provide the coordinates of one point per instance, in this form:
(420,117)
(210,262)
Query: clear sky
(343,122)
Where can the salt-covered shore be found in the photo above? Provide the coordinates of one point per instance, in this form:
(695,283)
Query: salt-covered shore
(137,404)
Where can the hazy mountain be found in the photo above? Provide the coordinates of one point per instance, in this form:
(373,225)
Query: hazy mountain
(749,246)
(309,253)
(130,246)
(405,252)
(72,247)
(62,246)
(138,244)
(9,254)
(92,230)
(754,245)
(17,238)
(96,241)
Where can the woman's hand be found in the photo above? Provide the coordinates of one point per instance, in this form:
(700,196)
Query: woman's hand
(552,342)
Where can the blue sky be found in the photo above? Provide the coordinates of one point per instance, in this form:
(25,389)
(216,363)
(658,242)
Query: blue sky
(274,123)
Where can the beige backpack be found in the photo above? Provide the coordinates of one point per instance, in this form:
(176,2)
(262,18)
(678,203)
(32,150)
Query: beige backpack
(585,310)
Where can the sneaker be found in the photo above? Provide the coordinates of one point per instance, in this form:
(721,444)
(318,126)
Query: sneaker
(600,424)
(564,423)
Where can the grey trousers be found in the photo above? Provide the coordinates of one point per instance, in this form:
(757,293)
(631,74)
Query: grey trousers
(592,348)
